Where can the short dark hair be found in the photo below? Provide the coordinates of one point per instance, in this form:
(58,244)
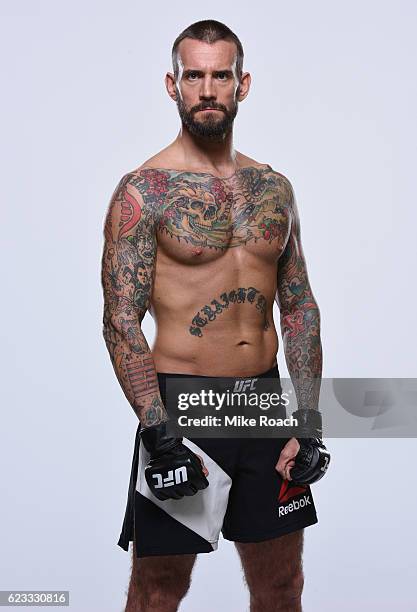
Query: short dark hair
(210,31)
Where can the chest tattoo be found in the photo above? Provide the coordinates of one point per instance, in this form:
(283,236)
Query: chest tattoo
(206,211)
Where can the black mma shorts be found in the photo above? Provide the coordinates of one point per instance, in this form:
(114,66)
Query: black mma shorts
(246,500)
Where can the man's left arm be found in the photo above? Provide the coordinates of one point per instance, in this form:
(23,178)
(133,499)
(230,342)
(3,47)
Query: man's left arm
(304,459)
(299,317)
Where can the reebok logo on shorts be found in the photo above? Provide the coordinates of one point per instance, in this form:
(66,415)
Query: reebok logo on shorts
(294,505)
(287,491)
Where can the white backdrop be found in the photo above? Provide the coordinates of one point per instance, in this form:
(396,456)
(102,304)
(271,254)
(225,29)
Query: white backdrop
(332,106)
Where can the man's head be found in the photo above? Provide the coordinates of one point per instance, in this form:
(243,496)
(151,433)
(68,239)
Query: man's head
(207,59)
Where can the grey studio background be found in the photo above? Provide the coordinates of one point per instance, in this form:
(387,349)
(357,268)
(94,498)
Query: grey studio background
(332,106)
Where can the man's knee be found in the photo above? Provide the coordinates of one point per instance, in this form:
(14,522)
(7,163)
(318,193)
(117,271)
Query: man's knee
(282,592)
(159,598)
(290,588)
(163,591)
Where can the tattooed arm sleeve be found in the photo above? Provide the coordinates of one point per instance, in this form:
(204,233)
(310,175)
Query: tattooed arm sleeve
(127,277)
(300,317)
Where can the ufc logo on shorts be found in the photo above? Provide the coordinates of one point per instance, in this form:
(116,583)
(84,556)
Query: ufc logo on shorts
(174,477)
(244,385)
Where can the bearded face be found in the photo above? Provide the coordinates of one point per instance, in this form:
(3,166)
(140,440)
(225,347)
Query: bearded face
(213,124)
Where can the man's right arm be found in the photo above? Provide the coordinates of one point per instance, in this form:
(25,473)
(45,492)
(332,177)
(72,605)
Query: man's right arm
(128,267)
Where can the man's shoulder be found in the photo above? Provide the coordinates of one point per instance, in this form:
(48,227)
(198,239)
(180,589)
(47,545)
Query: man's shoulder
(129,203)
(245,160)
(282,181)
(162,160)
(135,179)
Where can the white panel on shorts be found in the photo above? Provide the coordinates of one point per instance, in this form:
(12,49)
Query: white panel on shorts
(202,512)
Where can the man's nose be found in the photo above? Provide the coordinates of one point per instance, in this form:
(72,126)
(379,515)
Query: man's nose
(208,90)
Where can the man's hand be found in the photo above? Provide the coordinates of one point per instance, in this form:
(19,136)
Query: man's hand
(305,456)
(205,470)
(173,471)
(286,459)
(311,462)
(307,459)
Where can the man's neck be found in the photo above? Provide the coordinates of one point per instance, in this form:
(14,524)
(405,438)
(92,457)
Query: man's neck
(203,154)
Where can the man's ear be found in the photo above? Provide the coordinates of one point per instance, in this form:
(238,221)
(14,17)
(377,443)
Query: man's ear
(170,85)
(244,85)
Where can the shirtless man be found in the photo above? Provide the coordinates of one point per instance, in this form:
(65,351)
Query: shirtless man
(205,239)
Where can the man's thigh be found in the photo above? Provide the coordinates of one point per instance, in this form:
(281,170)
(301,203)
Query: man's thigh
(274,564)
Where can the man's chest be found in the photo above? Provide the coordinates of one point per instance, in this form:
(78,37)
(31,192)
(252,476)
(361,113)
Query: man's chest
(204,216)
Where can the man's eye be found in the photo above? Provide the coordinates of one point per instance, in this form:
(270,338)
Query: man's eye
(222,76)
(191,76)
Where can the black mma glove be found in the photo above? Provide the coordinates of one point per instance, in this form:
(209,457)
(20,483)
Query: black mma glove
(173,470)
(313,458)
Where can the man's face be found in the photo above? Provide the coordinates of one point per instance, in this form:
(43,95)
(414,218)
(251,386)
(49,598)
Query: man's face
(207,87)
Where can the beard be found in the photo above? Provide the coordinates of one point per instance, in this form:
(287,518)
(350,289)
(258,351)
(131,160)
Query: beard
(211,126)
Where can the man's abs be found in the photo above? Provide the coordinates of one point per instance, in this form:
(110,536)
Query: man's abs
(215,320)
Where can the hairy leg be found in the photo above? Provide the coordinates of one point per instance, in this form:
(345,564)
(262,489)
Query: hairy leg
(158,584)
(274,573)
